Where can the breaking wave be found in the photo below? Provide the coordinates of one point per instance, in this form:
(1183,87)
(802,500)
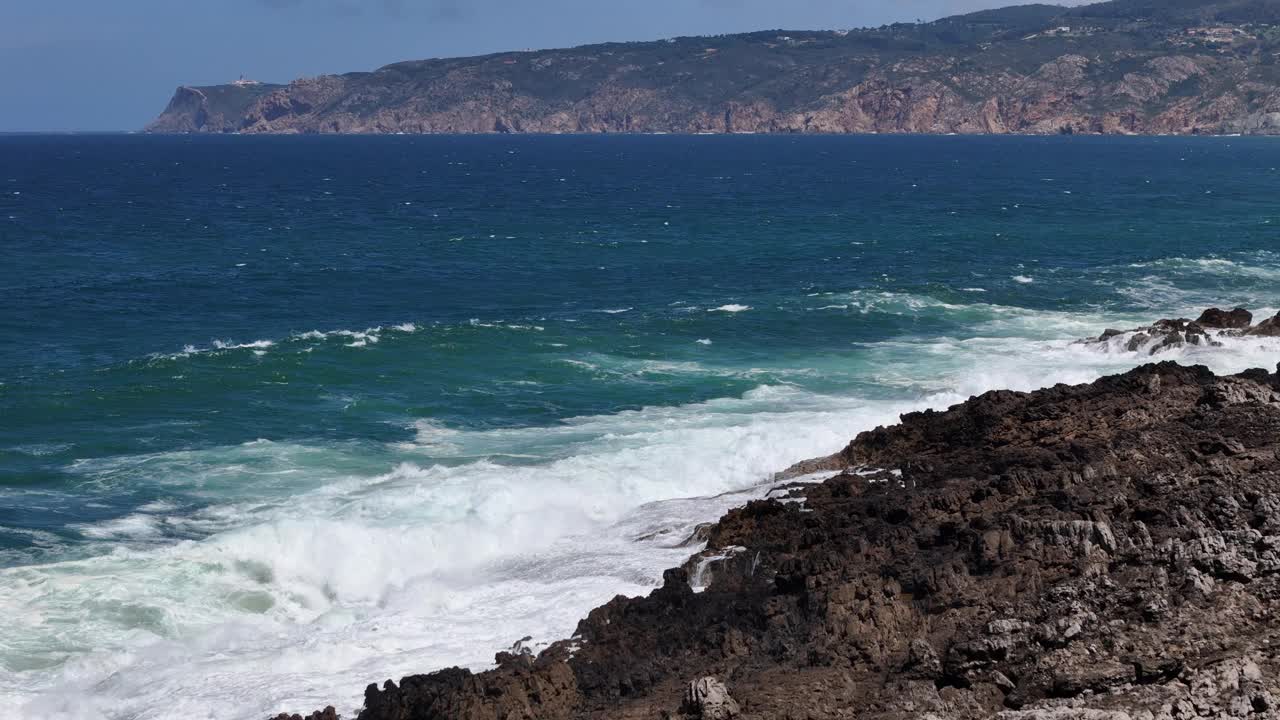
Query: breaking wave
(285,574)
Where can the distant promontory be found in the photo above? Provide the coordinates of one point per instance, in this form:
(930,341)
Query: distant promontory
(1120,67)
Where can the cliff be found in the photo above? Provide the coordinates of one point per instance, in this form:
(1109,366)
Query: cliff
(1108,551)
(209,109)
(1126,66)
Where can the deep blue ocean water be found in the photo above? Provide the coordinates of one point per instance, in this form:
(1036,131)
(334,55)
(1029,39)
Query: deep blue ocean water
(265,402)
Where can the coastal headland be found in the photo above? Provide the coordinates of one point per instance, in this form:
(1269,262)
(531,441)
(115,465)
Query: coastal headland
(1118,67)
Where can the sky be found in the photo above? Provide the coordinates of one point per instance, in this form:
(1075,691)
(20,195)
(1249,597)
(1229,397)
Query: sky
(113,64)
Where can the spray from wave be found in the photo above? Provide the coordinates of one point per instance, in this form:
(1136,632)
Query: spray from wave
(305,572)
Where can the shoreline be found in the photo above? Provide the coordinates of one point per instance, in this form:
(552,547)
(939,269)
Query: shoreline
(660,134)
(1070,552)
(807,134)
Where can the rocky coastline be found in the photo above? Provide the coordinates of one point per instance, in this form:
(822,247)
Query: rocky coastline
(1119,67)
(1208,330)
(1106,551)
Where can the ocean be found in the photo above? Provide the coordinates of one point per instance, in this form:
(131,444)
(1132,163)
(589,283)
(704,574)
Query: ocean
(283,416)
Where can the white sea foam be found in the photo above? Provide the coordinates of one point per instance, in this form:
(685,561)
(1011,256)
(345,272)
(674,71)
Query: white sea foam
(432,436)
(159,506)
(1184,286)
(41,449)
(317,573)
(732,308)
(1261,266)
(419,566)
(347,578)
(36,537)
(136,526)
(892,303)
(306,341)
(1022,279)
(231,345)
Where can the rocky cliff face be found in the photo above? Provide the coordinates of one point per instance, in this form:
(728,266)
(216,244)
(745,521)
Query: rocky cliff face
(1108,551)
(209,109)
(1207,66)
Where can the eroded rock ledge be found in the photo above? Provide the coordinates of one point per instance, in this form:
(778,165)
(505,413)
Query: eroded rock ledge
(1102,551)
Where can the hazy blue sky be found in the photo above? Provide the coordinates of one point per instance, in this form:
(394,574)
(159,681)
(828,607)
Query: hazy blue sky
(112,64)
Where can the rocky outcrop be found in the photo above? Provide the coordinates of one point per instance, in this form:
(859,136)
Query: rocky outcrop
(1116,67)
(218,108)
(1154,338)
(1101,551)
(1267,328)
(326,714)
(707,698)
(1237,319)
(1208,330)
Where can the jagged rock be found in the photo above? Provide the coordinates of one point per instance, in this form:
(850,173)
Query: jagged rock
(1236,319)
(923,659)
(830,463)
(709,699)
(1002,681)
(327,714)
(699,535)
(1136,342)
(1096,551)
(517,690)
(1172,339)
(1174,333)
(1267,328)
(1063,714)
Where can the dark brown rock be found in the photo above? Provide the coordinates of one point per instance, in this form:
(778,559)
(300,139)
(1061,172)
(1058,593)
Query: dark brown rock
(1168,334)
(1136,342)
(1236,319)
(327,714)
(1267,328)
(517,689)
(1106,550)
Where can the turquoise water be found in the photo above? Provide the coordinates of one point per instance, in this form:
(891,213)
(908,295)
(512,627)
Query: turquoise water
(282,416)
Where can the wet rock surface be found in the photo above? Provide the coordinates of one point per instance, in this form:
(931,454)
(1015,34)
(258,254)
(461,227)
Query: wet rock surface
(1167,334)
(1106,551)
(1267,328)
